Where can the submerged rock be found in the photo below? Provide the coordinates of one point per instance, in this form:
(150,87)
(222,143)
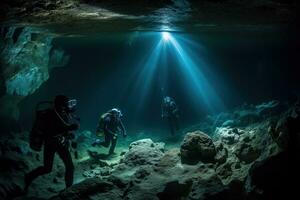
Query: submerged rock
(222,153)
(197,146)
(227,135)
(143,152)
(286,131)
(85,189)
(175,191)
(247,152)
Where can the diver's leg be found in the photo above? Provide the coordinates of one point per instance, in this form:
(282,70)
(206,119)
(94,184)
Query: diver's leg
(65,155)
(176,122)
(170,121)
(113,145)
(49,152)
(106,141)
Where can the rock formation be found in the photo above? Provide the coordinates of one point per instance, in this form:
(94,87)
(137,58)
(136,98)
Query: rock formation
(197,146)
(27,55)
(252,166)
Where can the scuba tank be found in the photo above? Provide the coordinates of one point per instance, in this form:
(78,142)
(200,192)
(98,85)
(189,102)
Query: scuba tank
(100,131)
(37,136)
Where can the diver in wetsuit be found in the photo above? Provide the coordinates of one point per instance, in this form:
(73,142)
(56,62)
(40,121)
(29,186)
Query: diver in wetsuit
(57,137)
(170,113)
(111,124)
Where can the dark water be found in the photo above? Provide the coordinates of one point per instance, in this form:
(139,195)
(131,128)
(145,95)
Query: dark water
(105,72)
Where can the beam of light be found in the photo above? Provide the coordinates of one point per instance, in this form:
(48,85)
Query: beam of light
(166,36)
(147,71)
(196,82)
(153,72)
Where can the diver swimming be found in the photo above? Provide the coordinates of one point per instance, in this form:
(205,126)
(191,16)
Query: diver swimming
(109,126)
(170,113)
(53,129)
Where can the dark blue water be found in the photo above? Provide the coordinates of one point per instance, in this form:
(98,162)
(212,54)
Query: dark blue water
(103,72)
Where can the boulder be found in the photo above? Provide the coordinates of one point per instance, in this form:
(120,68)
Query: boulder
(247,152)
(197,146)
(143,152)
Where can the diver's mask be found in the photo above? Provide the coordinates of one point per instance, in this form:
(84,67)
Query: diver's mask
(71,105)
(167,100)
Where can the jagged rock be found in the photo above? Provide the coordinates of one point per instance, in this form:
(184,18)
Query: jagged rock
(222,153)
(197,146)
(25,61)
(26,56)
(232,170)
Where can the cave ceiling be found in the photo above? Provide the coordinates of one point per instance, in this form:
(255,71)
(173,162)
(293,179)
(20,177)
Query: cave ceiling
(83,17)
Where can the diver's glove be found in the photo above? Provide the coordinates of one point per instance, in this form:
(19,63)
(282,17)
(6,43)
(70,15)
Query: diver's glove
(125,135)
(115,136)
(97,141)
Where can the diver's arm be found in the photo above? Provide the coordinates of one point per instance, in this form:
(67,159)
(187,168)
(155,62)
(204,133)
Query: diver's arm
(72,127)
(73,123)
(107,130)
(175,108)
(123,128)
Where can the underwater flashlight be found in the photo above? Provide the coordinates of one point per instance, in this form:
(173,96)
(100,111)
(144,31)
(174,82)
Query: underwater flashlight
(166,36)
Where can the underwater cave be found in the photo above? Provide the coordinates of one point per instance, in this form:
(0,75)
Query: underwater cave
(156,100)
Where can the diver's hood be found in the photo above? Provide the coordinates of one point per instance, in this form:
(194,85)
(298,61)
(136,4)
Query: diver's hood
(116,111)
(72,105)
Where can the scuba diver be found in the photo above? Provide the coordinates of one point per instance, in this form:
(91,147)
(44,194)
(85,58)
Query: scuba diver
(170,112)
(110,124)
(54,132)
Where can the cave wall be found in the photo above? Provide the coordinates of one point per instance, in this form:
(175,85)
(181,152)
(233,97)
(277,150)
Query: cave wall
(26,57)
